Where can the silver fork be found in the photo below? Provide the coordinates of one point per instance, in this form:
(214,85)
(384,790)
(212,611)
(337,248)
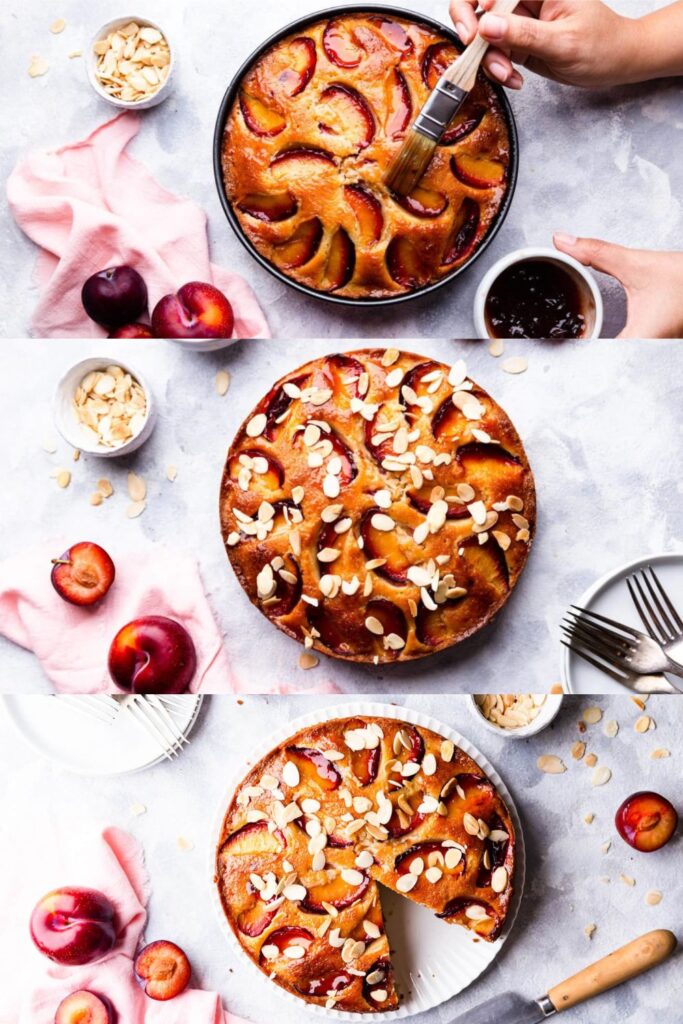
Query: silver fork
(656,609)
(150,713)
(102,706)
(621,652)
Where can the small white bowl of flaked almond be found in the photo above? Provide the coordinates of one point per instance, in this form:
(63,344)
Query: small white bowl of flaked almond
(130,63)
(515,715)
(104,408)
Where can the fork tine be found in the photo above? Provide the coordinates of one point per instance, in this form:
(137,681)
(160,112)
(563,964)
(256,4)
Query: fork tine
(150,713)
(594,663)
(603,618)
(179,737)
(598,649)
(667,600)
(91,706)
(665,624)
(590,632)
(603,631)
(650,620)
(142,720)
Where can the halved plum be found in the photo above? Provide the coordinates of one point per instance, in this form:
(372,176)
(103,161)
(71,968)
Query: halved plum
(336,892)
(422,202)
(478,171)
(416,750)
(384,448)
(421,500)
(480,797)
(254,840)
(271,208)
(365,765)
(349,471)
(405,264)
(431,626)
(314,768)
(393,34)
(260,119)
(449,423)
(400,824)
(271,480)
(293,64)
(486,561)
(379,978)
(414,379)
(390,616)
(398,104)
(350,114)
(341,44)
(285,938)
(334,840)
(276,404)
(463,233)
(384,544)
(329,985)
(304,156)
(495,851)
(484,462)
(646,821)
(488,927)
(341,261)
(301,247)
(84,1007)
(462,125)
(404,862)
(437,58)
(345,638)
(367,209)
(254,921)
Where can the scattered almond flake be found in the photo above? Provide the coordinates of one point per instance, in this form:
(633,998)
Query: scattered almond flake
(643,723)
(222,382)
(591,760)
(406,882)
(660,753)
(390,356)
(75,53)
(429,764)
(76,454)
(171,473)
(611,728)
(639,702)
(556,688)
(496,347)
(589,930)
(499,880)
(49,446)
(653,897)
(627,880)
(256,425)
(601,776)
(105,488)
(515,364)
(551,764)
(136,509)
(184,844)
(294,893)
(138,809)
(308,660)
(290,774)
(447,750)
(373,625)
(137,488)
(38,66)
(63,478)
(591,715)
(501,539)
(578,750)
(606,846)
(589,819)
(352,877)
(58,26)
(96,498)
(382,522)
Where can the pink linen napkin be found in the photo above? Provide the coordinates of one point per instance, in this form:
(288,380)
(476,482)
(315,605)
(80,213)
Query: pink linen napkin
(72,643)
(89,205)
(113,863)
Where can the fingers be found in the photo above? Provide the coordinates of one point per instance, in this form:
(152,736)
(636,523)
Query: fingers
(611,259)
(525,35)
(465,19)
(499,67)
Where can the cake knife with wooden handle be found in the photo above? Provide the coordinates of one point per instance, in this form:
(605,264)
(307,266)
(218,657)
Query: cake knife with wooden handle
(626,963)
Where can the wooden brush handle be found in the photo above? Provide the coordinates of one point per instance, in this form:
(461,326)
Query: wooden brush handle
(622,965)
(463,71)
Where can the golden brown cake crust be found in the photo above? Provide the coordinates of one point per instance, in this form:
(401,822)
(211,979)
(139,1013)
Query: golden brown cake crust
(374,800)
(307,143)
(393,566)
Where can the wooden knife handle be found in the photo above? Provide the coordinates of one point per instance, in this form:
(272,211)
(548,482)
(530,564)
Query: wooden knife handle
(622,965)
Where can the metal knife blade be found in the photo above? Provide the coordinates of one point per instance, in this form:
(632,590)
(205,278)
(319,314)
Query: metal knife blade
(508,1008)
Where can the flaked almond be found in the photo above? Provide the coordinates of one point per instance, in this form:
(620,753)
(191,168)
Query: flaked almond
(135,509)
(591,715)
(515,364)
(222,382)
(137,488)
(601,776)
(551,764)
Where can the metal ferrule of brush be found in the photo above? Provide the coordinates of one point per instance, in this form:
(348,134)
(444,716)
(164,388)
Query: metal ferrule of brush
(546,1007)
(439,110)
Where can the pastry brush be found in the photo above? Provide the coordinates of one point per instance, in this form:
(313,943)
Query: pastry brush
(445,100)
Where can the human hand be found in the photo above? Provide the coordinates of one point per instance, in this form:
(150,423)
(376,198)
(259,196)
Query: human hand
(653,282)
(576,42)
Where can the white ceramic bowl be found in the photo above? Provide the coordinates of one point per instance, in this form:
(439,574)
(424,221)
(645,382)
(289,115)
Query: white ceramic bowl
(584,279)
(91,64)
(67,422)
(203,345)
(545,716)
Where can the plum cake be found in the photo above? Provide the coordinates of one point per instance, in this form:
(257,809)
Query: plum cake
(377,505)
(338,808)
(315,125)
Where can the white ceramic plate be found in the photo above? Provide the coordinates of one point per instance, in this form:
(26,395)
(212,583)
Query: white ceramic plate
(83,744)
(433,961)
(610,597)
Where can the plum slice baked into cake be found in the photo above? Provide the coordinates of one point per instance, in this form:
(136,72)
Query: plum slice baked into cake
(336,809)
(378,505)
